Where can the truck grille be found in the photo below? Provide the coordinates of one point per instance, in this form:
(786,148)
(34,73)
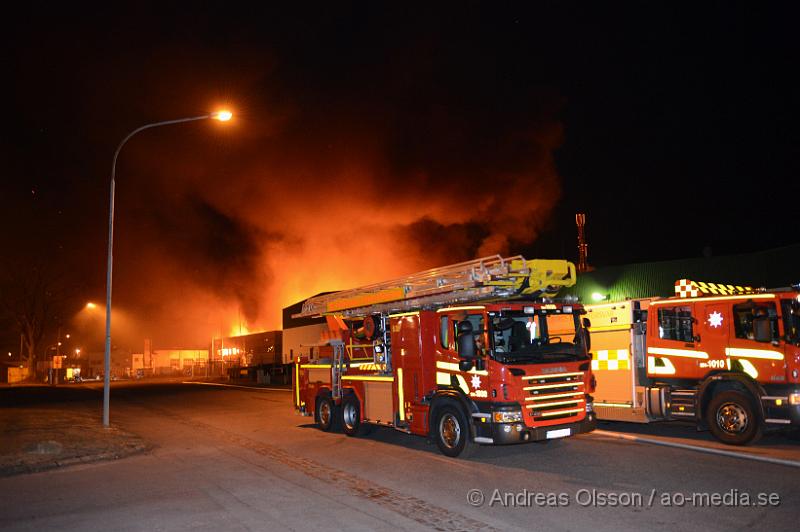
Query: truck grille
(556,396)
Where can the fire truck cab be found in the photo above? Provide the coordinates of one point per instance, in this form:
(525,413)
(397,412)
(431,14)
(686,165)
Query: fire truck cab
(727,357)
(456,357)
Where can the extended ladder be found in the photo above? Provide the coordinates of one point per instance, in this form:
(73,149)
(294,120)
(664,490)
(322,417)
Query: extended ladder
(488,278)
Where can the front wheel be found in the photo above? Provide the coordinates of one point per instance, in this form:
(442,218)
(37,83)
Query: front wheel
(451,432)
(733,419)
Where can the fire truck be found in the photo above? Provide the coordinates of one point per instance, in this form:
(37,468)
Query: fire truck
(724,356)
(476,353)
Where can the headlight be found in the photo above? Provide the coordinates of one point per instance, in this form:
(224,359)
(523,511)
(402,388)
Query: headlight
(794,398)
(507,417)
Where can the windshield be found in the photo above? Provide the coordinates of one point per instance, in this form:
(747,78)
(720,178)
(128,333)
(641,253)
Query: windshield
(542,336)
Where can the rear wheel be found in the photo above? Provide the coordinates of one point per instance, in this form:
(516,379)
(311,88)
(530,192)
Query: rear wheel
(733,419)
(326,414)
(451,432)
(351,417)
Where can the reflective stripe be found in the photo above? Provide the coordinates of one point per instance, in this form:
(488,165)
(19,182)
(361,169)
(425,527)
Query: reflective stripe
(688,288)
(376,378)
(549,376)
(552,396)
(403,314)
(614,405)
(445,379)
(297,383)
(749,368)
(611,359)
(610,328)
(767,354)
(666,369)
(400,399)
(462,383)
(452,366)
(559,412)
(672,301)
(688,353)
(317,366)
(560,385)
(554,403)
(363,366)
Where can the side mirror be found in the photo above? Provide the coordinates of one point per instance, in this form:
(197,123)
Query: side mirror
(762,331)
(466,345)
(465,365)
(587,336)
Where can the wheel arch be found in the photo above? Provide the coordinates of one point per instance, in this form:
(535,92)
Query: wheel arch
(454,397)
(724,381)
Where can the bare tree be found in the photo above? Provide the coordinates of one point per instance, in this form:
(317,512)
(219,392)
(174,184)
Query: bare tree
(30,299)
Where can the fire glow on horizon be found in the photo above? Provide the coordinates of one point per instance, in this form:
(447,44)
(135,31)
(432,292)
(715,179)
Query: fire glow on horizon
(310,198)
(339,230)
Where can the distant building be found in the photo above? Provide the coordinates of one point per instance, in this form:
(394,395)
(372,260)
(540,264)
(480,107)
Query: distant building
(299,334)
(256,357)
(12,372)
(91,364)
(177,361)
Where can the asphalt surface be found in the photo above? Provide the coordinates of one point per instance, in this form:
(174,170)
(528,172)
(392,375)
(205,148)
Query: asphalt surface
(241,459)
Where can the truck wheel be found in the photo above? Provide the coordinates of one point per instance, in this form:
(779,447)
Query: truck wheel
(326,414)
(733,419)
(351,417)
(451,432)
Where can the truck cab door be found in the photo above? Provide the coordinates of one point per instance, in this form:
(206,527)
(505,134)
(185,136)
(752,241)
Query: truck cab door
(714,331)
(755,346)
(672,349)
(791,338)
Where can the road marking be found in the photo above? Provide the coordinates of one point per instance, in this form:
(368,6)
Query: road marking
(236,386)
(710,450)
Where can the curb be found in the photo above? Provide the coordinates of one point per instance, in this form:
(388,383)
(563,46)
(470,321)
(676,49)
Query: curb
(24,469)
(238,386)
(697,448)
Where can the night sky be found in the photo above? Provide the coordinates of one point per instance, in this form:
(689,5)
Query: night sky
(371,141)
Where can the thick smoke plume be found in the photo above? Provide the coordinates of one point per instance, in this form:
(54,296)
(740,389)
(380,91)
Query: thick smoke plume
(306,209)
(352,158)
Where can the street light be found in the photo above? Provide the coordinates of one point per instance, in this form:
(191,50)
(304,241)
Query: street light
(222,116)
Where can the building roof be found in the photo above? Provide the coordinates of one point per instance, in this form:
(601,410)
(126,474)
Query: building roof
(772,268)
(296,308)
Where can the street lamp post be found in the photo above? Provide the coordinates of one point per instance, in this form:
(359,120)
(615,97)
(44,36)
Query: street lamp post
(223,116)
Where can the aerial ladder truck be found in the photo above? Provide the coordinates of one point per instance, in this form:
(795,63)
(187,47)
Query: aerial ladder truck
(476,353)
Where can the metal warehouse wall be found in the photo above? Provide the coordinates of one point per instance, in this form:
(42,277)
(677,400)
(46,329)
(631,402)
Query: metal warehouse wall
(771,269)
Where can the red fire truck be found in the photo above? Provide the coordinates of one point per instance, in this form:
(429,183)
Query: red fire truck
(727,357)
(473,353)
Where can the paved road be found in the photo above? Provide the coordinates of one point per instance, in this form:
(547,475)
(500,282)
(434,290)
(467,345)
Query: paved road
(238,459)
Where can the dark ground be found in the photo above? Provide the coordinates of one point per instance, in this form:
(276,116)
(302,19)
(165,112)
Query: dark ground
(240,459)
(45,427)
